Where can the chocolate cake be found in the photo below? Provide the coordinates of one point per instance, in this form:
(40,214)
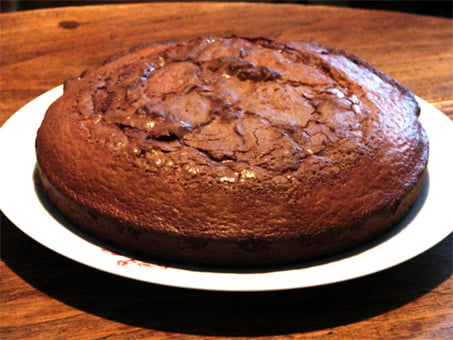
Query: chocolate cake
(233,151)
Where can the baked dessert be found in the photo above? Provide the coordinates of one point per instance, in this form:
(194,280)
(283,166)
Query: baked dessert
(229,151)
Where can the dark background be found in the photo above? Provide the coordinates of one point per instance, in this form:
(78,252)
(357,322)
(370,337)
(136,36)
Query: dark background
(434,8)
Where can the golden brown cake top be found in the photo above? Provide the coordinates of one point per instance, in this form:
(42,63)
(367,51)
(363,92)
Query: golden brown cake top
(241,108)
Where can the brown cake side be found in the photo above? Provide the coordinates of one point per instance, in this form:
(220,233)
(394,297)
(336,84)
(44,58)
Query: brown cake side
(233,151)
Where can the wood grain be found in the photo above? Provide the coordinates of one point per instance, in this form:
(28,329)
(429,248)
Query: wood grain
(46,296)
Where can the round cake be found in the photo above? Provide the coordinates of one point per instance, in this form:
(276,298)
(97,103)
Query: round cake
(229,151)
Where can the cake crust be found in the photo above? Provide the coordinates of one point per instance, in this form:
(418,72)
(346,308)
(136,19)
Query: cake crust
(233,151)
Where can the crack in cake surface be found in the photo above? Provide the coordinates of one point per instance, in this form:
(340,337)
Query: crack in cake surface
(223,100)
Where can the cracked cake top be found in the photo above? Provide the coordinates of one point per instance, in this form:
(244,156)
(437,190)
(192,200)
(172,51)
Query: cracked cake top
(242,108)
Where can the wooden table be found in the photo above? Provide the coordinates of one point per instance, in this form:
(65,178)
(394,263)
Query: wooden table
(46,296)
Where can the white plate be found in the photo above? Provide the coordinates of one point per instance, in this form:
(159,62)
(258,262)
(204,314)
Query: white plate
(429,222)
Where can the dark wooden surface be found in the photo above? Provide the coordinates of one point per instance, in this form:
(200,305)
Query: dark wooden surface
(46,296)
